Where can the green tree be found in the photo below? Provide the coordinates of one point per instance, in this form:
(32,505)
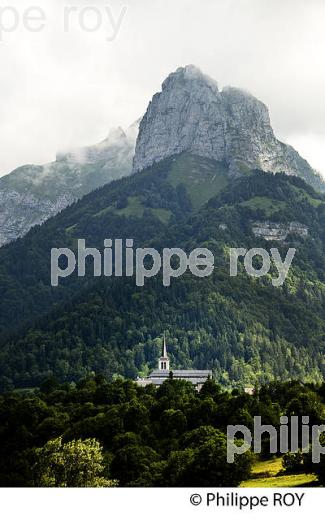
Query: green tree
(204,462)
(74,464)
(131,462)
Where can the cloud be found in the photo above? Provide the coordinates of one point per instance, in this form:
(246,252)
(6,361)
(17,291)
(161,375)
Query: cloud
(60,90)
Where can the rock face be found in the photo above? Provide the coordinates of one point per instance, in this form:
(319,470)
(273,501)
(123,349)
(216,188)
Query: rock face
(278,231)
(21,211)
(118,147)
(32,194)
(191,114)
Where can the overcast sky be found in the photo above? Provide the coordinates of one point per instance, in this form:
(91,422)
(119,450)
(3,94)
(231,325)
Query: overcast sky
(61,89)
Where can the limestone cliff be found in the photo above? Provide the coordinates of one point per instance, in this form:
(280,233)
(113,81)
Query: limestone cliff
(191,114)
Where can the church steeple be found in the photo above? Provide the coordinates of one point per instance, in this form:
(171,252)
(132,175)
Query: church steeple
(163,363)
(164,349)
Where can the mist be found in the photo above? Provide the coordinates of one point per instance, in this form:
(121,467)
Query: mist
(65,86)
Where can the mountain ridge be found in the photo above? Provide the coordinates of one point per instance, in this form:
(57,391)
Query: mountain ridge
(31,194)
(190,114)
(245,329)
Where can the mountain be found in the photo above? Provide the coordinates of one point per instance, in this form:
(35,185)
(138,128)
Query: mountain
(191,114)
(32,194)
(139,206)
(243,328)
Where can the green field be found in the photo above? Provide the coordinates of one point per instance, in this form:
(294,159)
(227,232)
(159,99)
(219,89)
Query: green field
(308,198)
(135,208)
(202,177)
(270,474)
(269,206)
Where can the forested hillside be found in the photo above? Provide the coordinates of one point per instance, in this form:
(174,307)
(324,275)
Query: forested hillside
(244,329)
(96,433)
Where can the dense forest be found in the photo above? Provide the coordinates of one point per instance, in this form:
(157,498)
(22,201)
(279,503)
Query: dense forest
(70,414)
(100,433)
(244,329)
(25,279)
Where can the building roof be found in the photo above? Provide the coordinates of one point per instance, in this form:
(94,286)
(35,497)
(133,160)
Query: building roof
(159,381)
(186,374)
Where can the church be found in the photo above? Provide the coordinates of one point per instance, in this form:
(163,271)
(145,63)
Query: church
(157,377)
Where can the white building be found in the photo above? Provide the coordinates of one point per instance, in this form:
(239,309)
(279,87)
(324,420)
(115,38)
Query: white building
(157,377)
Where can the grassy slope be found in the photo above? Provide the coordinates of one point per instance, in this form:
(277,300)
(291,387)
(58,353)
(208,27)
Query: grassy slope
(268,205)
(203,178)
(269,474)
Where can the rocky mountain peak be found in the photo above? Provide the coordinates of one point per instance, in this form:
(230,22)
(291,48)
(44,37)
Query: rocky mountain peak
(117,140)
(187,75)
(116,134)
(191,114)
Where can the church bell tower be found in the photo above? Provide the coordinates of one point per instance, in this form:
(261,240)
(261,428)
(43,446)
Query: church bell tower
(163,363)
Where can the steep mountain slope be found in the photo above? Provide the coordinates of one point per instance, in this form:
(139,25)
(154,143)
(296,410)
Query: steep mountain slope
(136,207)
(195,183)
(244,328)
(191,114)
(32,194)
